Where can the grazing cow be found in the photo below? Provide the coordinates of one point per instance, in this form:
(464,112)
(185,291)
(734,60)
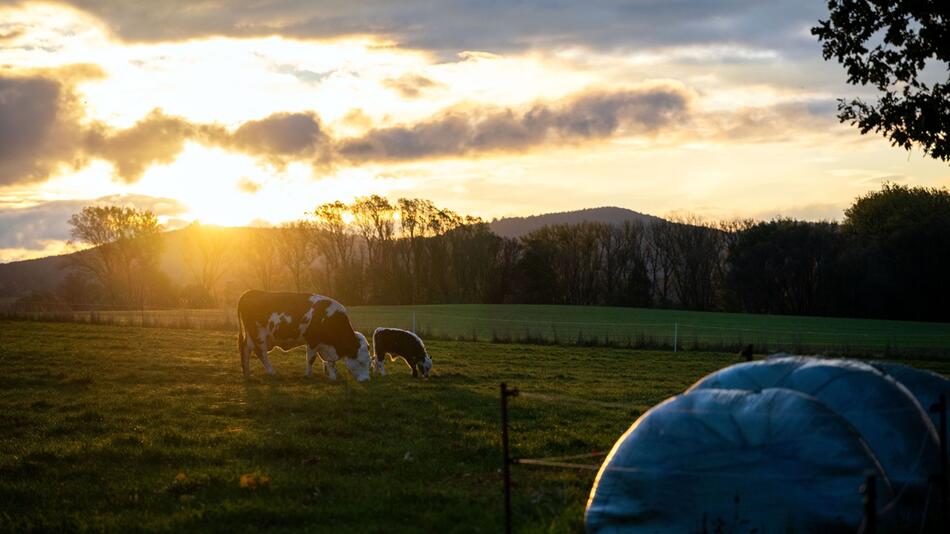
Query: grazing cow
(400,344)
(287,320)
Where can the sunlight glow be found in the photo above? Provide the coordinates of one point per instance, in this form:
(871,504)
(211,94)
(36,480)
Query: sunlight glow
(359,83)
(208,182)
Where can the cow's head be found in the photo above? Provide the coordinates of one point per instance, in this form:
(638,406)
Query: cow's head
(359,366)
(425,366)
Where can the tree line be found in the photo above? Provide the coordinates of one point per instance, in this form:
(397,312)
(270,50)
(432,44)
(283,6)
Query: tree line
(886,259)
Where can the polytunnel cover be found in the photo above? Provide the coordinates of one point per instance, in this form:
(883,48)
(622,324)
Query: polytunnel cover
(736,461)
(885,414)
(926,386)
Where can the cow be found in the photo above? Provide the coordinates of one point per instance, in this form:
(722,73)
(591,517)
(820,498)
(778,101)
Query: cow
(287,320)
(403,344)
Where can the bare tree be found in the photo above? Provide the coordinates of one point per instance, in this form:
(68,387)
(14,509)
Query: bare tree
(207,253)
(296,250)
(334,240)
(375,223)
(660,259)
(126,244)
(698,267)
(414,214)
(262,261)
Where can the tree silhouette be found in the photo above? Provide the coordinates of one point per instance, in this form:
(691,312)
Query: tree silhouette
(889,45)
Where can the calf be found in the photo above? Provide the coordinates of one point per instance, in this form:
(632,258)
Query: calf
(400,344)
(287,320)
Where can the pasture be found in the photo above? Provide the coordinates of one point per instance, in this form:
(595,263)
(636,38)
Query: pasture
(642,327)
(593,325)
(110,428)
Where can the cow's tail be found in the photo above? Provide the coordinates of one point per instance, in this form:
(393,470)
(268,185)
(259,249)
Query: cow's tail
(242,343)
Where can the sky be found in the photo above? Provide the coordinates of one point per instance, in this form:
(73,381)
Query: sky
(249,112)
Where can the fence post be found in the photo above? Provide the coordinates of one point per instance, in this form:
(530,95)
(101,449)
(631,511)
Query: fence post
(943,479)
(506,457)
(676,327)
(870,506)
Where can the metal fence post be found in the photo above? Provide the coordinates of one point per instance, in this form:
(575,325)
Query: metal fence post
(676,327)
(506,457)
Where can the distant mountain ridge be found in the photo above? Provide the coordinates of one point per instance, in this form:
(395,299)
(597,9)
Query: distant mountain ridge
(519,226)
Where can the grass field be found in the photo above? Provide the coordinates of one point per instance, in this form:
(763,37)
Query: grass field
(626,327)
(652,327)
(109,428)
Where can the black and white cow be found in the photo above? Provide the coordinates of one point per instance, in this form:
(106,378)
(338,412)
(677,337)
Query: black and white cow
(287,320)
(403,344)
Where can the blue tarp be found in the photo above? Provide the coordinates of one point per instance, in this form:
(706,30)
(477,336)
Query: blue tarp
(714,460)
(924,385)
(791,437)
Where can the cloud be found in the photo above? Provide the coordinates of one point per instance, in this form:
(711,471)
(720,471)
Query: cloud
(453,26)
(42,129)
(281,137)
(39,127)
(410,85)
(583,117)
(9,34)
(156,139)
(780,122)
(35,226)
(248,186)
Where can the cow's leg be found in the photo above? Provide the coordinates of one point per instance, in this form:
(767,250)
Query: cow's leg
(329,356)
(330,369)
(311,357)
(265,359)
(246,346)
(262,349)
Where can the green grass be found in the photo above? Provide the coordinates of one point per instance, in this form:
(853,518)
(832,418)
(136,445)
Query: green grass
(108,428)
(656,328)
(590,325)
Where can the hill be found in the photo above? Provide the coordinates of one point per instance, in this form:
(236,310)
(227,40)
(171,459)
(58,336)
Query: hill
(519,226)
(22,277)
(19,278)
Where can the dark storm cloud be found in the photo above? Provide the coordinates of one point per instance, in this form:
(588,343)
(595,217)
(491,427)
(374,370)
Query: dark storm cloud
(583,117)
(30,227)
(452,26)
